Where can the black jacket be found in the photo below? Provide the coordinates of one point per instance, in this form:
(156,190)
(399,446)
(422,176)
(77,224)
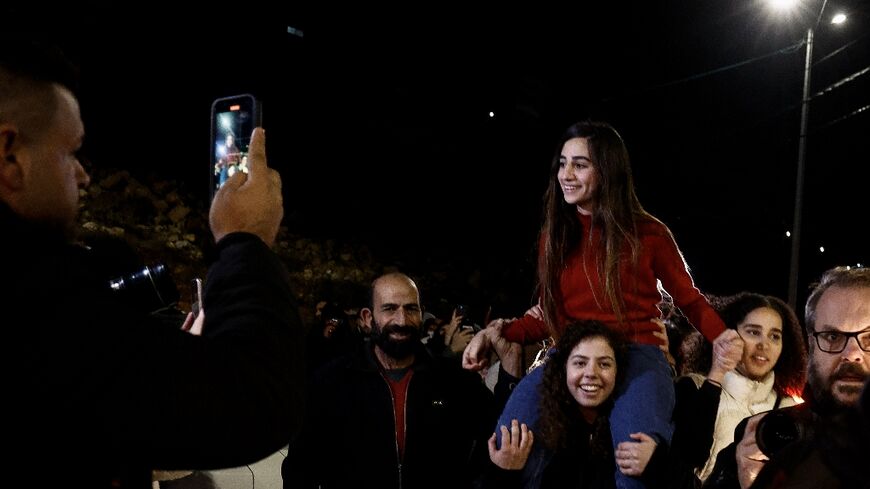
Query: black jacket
(108,394)
(349,438)
(829,452)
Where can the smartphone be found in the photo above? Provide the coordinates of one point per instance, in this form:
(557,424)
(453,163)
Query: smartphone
(233,119)
(195,296)
(463,310)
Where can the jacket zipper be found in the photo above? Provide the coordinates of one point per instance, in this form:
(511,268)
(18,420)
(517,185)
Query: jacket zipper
(404,422)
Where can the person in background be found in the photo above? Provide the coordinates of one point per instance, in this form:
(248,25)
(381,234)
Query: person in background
(228,160)
(757,365)
(389,414)
(830,428)
(108,393)
(330,337)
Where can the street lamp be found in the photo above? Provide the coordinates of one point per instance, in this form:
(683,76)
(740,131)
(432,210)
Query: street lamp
(802,147)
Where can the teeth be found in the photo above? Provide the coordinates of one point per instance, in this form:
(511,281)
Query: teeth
(760,359)
(590,388)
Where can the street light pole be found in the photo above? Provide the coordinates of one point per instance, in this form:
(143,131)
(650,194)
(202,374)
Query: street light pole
(799,184)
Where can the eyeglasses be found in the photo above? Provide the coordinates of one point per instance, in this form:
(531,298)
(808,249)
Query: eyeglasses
(835,341)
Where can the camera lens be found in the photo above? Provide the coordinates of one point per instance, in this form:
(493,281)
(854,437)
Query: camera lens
(148,290)
(776,430)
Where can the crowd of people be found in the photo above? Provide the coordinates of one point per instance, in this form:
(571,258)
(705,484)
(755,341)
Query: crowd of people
(382,393)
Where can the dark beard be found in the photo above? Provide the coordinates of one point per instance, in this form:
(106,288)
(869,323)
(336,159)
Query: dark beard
(396,349)
(821,388)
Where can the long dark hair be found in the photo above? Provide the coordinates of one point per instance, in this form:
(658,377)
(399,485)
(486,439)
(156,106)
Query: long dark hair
(617,212)
(559,409)
(790,369)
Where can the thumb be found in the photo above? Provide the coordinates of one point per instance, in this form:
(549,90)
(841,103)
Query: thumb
(641,437)
(491,444)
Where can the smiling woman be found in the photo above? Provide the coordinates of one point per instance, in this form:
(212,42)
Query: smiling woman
(574,447)
(758,365)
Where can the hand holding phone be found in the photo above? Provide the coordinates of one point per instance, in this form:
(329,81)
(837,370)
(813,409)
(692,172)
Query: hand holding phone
(233,119)
(253,203)
(196,318)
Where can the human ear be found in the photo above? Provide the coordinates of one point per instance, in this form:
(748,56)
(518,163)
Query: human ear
(11,172)
(366,315)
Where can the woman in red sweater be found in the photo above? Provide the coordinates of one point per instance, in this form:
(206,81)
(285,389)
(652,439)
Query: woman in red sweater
(602,257)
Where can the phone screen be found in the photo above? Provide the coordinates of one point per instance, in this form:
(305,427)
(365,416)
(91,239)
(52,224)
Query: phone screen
(232,121)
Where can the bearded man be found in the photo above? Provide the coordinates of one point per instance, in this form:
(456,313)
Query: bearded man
(388,414)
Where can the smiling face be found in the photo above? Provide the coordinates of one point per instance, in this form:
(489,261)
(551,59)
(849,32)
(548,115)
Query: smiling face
(396,317)
(577,175)
(591,374)
(761,331)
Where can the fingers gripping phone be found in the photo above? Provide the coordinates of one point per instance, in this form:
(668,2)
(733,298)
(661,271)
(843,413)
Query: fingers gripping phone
(233,119)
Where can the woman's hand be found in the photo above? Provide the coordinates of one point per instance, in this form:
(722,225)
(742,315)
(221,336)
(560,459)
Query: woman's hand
(516,445)
(662,334)
(510,354)
(633,456)
(727,353)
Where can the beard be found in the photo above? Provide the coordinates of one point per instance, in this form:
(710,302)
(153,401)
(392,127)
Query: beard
(821,387)
(398,349)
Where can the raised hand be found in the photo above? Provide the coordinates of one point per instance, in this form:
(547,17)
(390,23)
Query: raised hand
(727,353)
(250,202)
(476,353)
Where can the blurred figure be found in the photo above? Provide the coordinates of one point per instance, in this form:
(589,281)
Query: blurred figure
(329,338)
(228,160)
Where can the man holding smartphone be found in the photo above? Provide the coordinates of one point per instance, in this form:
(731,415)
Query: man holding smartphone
(102,395)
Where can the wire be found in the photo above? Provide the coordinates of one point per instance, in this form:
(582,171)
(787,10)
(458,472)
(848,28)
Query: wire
(841,119)
(838,84)
(837,51)
(787,49)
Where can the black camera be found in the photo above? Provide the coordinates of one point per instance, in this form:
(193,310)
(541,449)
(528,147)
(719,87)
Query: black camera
(148,290)
(781,428)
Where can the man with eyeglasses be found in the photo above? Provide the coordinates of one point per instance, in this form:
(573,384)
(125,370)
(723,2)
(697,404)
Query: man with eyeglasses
(833,422)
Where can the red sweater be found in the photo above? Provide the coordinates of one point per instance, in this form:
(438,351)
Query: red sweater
(658,258)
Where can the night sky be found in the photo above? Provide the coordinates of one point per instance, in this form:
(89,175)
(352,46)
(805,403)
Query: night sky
(379,120)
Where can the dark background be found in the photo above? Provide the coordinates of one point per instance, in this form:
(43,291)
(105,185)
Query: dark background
(378,120)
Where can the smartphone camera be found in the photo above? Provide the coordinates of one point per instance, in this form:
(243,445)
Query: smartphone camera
(233,119)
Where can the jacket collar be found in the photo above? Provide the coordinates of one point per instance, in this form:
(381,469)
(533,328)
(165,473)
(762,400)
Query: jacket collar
(366,360)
